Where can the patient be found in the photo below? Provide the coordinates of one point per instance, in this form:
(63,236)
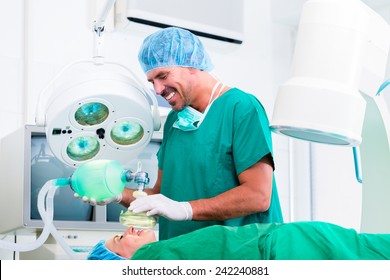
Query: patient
(213,242)
(289,241)
(121,247)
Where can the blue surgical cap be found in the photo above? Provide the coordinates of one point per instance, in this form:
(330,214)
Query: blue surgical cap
(173,46)
(100,252)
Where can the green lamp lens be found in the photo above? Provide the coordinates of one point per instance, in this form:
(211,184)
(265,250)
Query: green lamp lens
(83,148)
(127,133)
(92,113)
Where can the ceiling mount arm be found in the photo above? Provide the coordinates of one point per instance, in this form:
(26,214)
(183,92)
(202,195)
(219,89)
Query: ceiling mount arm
(98,28)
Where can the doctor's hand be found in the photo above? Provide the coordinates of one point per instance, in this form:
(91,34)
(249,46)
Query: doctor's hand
(161,205)
(93,202)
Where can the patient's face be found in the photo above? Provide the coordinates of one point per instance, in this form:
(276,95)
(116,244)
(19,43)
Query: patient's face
(126,244)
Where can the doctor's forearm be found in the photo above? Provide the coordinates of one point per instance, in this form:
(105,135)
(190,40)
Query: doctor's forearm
(251,196)
(237,202)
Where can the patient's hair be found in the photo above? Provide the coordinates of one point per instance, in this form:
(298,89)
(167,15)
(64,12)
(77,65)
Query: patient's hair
(101,252)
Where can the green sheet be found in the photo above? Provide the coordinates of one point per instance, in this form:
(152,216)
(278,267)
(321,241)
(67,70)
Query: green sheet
(289,241)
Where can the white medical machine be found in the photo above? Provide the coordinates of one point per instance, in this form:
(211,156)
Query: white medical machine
(23,173)
(339,64)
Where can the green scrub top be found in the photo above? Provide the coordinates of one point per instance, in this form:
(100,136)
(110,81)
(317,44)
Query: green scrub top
(205,162)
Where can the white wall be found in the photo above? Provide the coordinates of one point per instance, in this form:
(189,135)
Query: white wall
(11,66)
(11,73)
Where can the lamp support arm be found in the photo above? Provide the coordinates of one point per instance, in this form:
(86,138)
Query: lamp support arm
(99,23)
(98,28)
(375,162)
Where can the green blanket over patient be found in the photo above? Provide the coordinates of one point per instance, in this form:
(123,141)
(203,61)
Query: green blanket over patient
(289,241)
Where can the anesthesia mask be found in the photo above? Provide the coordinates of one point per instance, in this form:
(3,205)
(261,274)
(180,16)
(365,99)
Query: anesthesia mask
(137,220)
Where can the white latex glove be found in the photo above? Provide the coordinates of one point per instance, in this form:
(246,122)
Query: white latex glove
(161,205)
(93,201)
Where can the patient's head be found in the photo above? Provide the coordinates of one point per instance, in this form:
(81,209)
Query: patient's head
(121,247)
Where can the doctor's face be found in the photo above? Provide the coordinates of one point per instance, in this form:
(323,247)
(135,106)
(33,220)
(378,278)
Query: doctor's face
(174,84)
(130,241)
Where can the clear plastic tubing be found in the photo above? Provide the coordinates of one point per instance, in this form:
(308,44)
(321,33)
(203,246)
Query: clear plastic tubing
(47,214)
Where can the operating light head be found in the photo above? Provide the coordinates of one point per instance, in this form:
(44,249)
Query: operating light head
(99,115)
(319,111)
(340,56)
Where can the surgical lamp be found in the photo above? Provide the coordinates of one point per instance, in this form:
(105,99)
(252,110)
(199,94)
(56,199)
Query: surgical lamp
(98,114)
(96,122)
(339,63)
